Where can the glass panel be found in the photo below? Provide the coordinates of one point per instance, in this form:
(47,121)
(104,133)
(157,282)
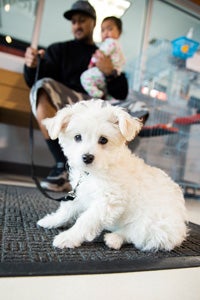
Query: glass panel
(16,21)
(152,68)
(169,22)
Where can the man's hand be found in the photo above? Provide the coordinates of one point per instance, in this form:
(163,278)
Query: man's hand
(103,62)
(31,57)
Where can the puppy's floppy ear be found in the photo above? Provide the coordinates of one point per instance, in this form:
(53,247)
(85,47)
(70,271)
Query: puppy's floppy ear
(128,125)
(56,124)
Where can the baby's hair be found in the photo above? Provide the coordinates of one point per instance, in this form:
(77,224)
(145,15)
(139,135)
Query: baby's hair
(116,20)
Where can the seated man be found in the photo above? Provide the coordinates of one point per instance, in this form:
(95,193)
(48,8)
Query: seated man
(59,81)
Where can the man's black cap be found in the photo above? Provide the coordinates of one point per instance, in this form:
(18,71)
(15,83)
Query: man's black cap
(81,7)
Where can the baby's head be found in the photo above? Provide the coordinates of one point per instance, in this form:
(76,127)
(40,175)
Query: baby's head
(111,27)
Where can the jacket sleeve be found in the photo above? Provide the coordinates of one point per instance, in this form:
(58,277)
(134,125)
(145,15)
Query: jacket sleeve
(47,68)
(108,46)
(117,87)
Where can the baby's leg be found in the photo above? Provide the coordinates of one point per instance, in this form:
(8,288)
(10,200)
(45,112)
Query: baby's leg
(93,82)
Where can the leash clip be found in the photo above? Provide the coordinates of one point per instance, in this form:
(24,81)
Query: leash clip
(70,196)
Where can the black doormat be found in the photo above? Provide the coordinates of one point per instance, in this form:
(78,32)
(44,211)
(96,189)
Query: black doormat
(26,250)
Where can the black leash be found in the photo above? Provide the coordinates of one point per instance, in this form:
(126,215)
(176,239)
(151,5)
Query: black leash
(69,195)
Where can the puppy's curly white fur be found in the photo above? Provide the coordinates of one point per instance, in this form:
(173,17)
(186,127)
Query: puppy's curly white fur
(115,190)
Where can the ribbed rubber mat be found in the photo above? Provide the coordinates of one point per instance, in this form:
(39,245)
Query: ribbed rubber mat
(27,249)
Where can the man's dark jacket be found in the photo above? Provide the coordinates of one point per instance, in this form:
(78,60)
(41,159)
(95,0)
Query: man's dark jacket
(66,61)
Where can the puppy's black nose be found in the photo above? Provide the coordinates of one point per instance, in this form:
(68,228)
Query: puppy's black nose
(88,158)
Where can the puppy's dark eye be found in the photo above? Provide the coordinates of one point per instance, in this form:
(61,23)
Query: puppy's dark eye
(102,140)
(78,138)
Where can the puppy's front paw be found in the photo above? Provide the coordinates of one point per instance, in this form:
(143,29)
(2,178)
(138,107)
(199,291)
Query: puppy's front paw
(46,222)
(113,240)
(66,240)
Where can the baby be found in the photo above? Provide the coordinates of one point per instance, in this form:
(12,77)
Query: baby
(93,80)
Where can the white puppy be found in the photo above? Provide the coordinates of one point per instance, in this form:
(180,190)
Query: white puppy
(115,190)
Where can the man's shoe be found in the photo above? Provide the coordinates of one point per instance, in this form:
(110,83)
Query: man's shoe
(139,110)
(57,180)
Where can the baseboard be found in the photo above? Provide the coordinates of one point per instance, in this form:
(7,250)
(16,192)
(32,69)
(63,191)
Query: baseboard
(22,169)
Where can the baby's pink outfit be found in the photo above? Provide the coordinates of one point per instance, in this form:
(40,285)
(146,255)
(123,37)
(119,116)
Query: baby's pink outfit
(93,80)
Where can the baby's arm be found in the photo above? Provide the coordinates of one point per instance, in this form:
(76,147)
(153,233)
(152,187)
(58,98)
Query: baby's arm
(92,62)
(108,46)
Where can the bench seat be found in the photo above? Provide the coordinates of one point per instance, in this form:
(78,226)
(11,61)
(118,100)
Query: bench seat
(14,99)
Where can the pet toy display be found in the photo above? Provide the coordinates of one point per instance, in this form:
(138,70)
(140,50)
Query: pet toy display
(184,46)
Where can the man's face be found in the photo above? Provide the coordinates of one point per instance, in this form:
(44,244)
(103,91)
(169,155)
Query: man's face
(82,26)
